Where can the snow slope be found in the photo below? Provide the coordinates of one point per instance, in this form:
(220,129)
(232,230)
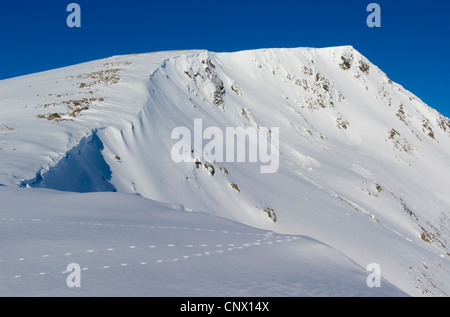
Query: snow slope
(131,246)
(363,162)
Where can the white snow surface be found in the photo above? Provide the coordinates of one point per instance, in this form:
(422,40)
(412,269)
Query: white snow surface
(363,178)
(131,246)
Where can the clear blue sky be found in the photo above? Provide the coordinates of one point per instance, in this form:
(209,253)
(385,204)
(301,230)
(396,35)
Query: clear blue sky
(412,46)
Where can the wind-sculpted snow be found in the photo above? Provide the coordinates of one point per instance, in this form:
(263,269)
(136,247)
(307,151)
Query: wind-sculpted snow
(363,163)
(153,250)
(82,170)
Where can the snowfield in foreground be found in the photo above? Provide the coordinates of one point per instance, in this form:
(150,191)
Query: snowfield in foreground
(131,246)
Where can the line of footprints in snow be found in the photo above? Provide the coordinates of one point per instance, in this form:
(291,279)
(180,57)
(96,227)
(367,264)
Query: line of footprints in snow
(264,239)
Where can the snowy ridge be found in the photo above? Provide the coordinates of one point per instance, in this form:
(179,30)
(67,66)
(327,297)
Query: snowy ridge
(362,161)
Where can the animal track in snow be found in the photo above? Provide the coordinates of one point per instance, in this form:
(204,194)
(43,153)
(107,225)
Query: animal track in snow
(110,253)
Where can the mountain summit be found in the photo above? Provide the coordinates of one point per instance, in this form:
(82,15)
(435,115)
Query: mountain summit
(362,163)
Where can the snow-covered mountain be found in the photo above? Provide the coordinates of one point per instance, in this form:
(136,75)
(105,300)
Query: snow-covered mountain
(362,172)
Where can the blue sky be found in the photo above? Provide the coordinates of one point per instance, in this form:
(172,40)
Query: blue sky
(412,46)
